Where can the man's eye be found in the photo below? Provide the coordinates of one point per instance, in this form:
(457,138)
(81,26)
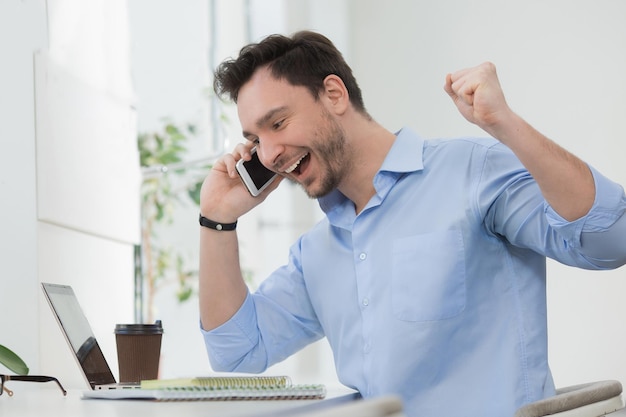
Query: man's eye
(277,125)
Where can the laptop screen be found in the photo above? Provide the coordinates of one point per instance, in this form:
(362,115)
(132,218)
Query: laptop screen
(78,333)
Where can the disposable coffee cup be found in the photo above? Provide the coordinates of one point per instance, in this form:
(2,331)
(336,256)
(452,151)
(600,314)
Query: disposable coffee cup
(138,351)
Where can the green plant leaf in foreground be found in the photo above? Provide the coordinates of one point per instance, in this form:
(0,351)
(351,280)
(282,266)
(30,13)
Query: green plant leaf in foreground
(12,361)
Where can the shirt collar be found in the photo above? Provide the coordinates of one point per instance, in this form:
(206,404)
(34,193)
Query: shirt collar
(405,155)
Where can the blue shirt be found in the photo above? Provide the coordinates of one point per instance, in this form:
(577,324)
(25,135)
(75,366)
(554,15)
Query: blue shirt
(436,290)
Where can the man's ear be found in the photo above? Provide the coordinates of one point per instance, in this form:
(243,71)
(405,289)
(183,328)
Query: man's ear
(335,94)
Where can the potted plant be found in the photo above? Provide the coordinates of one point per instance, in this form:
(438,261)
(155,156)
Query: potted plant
(168,181)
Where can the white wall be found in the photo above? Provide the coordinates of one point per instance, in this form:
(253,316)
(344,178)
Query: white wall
(70,177)
(22,30)
(561,64)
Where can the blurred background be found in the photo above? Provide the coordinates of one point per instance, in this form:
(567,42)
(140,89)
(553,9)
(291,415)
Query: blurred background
(109,123)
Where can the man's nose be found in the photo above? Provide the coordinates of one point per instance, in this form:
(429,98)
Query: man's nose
(269,154)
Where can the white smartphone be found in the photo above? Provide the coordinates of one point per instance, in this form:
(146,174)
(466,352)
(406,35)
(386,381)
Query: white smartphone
(254,175)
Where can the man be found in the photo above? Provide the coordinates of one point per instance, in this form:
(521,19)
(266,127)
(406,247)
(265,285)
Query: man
(427,275)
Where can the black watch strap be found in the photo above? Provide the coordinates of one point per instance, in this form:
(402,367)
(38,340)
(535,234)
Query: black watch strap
(215,225)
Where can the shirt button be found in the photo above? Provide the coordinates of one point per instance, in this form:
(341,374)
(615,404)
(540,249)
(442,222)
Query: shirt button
(362,256)
(367,347)
(366,302)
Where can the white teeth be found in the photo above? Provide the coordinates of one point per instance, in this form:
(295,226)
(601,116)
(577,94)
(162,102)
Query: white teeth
(295,165)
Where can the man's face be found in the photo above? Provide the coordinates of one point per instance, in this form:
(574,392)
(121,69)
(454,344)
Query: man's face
(295,135)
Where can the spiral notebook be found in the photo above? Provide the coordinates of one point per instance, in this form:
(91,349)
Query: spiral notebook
(216,388)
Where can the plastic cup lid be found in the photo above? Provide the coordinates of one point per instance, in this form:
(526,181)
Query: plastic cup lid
(156,328)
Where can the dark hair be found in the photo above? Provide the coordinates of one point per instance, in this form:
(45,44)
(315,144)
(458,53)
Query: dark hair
(305,59)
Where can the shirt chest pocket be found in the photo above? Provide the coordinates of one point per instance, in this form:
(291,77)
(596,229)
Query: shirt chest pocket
(428,276)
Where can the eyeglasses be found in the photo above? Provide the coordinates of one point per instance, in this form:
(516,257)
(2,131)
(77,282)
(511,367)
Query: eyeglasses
(29,378)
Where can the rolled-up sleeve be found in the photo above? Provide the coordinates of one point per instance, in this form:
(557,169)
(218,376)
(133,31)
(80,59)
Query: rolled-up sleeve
(516,209)
(600,236)
(229,344)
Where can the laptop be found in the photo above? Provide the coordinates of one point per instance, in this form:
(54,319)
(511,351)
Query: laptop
(78,334)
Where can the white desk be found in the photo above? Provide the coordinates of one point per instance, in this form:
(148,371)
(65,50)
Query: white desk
(48,401)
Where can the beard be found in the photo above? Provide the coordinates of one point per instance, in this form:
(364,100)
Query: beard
(330,147)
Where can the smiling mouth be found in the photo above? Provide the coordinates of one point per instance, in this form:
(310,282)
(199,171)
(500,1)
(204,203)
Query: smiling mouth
(293,167)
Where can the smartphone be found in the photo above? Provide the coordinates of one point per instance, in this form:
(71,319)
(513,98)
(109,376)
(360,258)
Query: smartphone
(254,174)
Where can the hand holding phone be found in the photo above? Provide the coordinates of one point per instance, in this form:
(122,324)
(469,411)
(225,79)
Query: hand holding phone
(254,175)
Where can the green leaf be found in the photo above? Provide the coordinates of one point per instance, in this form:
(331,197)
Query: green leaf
(194,192)
(184,293)
(172,130)
(12,361)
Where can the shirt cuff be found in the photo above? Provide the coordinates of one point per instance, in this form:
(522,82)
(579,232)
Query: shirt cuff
(609,205)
